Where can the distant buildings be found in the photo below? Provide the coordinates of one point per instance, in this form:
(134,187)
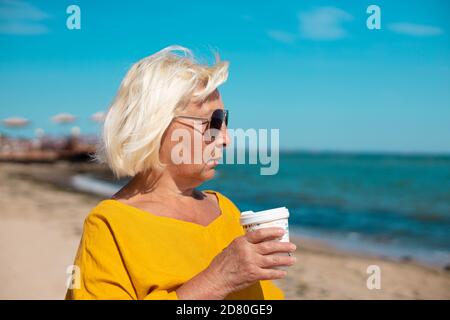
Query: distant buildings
(47,148)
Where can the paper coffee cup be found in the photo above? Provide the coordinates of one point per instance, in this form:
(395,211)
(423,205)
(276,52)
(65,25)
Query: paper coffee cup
(277,217)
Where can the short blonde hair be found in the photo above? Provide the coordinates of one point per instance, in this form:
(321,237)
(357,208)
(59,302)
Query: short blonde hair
(153,91)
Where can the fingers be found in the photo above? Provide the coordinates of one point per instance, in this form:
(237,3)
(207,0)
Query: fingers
(264,234)
(269,247)
(272,274)
(276,260)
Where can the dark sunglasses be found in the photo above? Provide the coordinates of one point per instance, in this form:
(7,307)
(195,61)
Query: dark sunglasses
(218,117)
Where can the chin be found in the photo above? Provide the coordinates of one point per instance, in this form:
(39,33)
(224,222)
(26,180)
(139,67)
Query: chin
(209,174)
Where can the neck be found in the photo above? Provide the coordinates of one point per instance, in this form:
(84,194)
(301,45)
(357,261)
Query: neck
(151,185)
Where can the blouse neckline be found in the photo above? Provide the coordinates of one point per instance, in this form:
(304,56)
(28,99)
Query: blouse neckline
(171,220)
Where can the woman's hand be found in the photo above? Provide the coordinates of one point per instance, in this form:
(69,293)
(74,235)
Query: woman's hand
(247,259)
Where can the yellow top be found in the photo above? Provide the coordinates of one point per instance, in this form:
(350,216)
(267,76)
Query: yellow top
(128,253)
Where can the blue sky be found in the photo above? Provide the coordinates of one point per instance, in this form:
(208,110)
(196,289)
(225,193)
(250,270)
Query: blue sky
(310,68)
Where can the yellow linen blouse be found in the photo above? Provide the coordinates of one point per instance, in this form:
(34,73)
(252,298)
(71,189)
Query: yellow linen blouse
(128,253)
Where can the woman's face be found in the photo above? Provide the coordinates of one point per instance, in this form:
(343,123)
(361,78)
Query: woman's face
(187,147)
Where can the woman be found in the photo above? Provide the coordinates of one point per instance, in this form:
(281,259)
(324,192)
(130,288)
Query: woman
(159,237)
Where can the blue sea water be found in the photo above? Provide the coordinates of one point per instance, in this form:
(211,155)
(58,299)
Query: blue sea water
(392,205)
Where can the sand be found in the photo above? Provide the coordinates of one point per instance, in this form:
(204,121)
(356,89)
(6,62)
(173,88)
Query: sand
(41,223)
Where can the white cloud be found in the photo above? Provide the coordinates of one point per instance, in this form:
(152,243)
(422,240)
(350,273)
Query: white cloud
(282,36)
(22,18)
(324,23)
(416,30)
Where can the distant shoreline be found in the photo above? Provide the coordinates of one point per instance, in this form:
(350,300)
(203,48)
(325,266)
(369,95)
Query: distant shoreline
(424,154)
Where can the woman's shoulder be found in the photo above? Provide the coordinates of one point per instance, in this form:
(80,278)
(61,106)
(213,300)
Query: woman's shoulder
(107,210)
(224,201)
(114,217)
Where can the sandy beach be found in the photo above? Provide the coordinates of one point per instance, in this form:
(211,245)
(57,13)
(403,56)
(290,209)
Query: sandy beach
(41,223)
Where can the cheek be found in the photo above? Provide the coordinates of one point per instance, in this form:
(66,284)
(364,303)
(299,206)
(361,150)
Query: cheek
(166,147)
(178,151)
(199,150)
(210,150)
(189,149)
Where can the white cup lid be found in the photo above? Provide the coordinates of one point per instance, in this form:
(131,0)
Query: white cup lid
(250,217)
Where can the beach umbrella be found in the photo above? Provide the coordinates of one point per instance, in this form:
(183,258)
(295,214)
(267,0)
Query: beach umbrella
(63,118)
(15,122)
(98,116)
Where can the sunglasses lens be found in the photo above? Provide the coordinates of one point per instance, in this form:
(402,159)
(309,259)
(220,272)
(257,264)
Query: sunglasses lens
(217,119)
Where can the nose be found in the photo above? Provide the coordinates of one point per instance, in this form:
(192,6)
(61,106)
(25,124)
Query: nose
(223,139)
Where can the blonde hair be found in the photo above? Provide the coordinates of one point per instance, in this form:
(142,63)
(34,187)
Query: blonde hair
(153,91)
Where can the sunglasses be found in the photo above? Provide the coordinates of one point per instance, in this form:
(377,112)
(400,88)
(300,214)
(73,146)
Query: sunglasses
(218,117)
